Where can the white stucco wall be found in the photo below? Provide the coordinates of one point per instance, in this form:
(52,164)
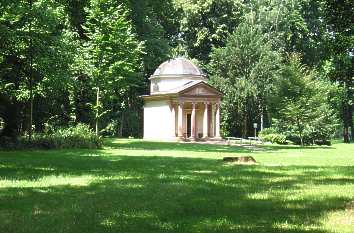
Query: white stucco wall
(167,84)
(199,123)
(158,121)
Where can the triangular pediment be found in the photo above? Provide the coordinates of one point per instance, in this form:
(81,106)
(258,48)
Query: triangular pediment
(200,89)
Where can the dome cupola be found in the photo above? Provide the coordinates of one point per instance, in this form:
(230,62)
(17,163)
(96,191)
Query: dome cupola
(175,73)
(178,67)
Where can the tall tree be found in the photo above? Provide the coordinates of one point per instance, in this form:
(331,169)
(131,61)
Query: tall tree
(206,24)
(302,103)
(339,17)
(292,26)
(244,70)
(112,56)
(157,24)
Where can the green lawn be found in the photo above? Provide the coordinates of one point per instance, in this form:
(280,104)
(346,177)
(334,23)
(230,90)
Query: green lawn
(134,186)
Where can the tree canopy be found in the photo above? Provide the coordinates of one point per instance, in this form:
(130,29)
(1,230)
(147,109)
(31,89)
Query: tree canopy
(88,61)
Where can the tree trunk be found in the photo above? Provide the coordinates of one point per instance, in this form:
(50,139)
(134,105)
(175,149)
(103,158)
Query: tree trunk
(97,109)
(245,129)
(346,122)
(30,78)
(262,120)
(120,133)
(261,111)
(350,119)
(83,94)
(347,111)
(300,132)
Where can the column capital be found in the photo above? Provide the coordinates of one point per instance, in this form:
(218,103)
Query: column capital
(172,105)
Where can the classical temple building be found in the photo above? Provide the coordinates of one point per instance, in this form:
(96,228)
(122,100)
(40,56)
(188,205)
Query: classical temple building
(181,105)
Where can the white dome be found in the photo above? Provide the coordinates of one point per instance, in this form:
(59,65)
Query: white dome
(178,67)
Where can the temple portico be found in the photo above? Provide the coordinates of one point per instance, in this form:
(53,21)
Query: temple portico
(195,120)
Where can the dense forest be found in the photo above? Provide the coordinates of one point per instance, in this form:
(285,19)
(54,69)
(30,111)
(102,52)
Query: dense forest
(285,64)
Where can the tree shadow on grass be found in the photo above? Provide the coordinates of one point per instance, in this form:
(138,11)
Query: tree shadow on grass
(294,147)
(172,146)
(197,147)
(159,194)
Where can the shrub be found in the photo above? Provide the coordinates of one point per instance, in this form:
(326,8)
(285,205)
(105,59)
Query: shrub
(267,131)
(79,136)
(270,135)
(309,140)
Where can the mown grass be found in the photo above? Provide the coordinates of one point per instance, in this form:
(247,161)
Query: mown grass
(135,186)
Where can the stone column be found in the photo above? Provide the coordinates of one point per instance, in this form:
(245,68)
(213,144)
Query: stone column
(212,121)
(205,121)
(193,121)
(173,120)
(180,120)
(217,120)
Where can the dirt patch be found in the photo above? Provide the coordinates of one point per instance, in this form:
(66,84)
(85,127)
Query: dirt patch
(350,206)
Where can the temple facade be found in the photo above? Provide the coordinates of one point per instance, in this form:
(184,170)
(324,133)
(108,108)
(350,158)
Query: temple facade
(181,104)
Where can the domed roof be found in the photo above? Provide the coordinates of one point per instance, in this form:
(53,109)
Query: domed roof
(177,67)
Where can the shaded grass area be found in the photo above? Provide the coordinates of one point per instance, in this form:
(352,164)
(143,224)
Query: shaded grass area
(138,186)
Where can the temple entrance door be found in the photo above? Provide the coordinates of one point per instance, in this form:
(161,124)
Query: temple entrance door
(189,124)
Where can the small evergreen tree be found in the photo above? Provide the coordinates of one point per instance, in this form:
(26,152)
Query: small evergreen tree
(245,71)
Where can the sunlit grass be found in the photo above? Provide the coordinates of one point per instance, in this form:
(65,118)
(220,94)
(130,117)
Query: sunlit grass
(139,186)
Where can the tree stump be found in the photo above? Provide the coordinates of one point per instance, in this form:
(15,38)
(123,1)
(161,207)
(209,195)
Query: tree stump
(240,159)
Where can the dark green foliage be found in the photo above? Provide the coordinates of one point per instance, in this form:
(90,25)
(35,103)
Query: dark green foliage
(156,23)
(36,51)
(63,51)
(339,16)
(207,24)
